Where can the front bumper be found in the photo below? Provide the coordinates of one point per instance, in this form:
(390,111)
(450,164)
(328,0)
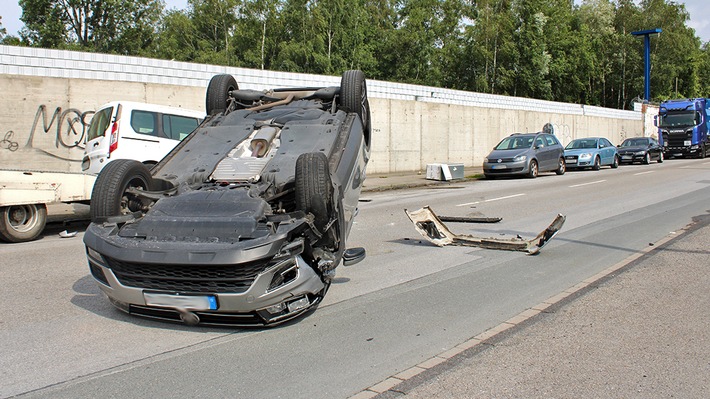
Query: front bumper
(505,168)
(631,158)
(266,283)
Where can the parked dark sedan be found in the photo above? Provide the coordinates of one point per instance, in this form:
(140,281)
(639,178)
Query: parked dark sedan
(640,149)
(245,221)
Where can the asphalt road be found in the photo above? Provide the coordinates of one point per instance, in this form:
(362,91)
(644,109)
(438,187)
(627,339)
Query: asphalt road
(406,302)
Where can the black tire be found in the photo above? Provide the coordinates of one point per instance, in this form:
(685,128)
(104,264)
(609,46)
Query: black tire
(353,96)
(561,167)
(490,177)
(647,159)
(615,164)
(109,197)
(597,163)
(660,157)
(20,223)
(314,188)
(702,153)
(533,172)
(217,98)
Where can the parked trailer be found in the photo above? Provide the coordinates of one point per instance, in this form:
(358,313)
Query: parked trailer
(24,196)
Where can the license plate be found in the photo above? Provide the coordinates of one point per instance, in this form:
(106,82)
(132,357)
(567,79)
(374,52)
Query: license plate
(499,166)
(189,302)
(686,143)
(626,157)
(570,161)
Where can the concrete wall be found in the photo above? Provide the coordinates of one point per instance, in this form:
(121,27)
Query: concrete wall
(49,96)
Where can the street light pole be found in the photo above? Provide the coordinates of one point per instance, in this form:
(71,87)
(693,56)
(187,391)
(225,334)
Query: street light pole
(647,58)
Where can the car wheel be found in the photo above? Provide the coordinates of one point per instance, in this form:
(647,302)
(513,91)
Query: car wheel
(490,177)
(615,164)
(597,163)
(314,189)
(647,159)
(533,172)
(702,153)
(19,223)
(110,197)
(561,167)
(660,157)
(353,96)
(217,99)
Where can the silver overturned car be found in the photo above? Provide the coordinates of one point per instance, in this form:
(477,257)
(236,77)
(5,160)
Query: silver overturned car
(246,220)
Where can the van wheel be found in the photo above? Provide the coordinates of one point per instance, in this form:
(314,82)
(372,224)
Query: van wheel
(20,223)
(314,189)
(217,99)
(110,197)
(353,97)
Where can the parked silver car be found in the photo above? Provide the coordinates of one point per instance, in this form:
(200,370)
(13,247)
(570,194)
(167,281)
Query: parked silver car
(525,154)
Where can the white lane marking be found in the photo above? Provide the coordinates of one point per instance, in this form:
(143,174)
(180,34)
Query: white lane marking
(492,199)
(586,184)
(643,173)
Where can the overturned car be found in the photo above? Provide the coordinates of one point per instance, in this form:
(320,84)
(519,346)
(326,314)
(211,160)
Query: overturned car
(245,221)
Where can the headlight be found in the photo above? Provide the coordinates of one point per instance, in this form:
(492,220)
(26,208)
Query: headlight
(585,155)
(485,160)
(641,153)
(520,158)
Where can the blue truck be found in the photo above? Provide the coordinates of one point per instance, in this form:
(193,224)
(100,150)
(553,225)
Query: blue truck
(683,127)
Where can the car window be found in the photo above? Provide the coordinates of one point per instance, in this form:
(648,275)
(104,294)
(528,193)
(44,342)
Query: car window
(178,127)
(515,142)
(143,122)
(551,140)
(99,123)
(539,142)
(606,143)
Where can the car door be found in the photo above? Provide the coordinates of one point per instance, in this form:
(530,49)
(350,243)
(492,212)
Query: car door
(606,153)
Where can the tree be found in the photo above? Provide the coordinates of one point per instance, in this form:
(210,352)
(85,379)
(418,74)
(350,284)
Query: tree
(110,26)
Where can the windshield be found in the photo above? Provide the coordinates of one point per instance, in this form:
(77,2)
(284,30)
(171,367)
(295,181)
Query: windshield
(634,143)
(515,143)
(582,143)
(679,119)
(99,123)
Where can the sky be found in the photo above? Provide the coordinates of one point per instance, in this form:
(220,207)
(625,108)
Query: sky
(699,17)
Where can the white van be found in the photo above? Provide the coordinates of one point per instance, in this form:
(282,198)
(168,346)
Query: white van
(131,130)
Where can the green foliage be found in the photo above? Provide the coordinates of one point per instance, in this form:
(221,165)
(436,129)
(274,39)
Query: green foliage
(547,49)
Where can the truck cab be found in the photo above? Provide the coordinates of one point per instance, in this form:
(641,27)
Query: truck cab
(683,127)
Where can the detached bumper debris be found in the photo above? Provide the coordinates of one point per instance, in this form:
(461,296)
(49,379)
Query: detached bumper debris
(433,229)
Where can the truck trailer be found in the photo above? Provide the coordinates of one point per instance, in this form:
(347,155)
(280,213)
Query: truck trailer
(25,194)
(683,127)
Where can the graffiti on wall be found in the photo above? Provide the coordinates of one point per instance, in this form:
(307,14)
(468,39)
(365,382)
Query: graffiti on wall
(69,127)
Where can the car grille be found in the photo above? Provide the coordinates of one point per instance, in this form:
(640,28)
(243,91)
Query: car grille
(235,278)
(206,318)
(571,158)
(503,171)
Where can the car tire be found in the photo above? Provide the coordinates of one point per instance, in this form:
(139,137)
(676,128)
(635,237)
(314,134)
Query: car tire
(314,188)
(597,163)
(561,167)
(490,177)
(109,196)
(353,96)
(647,159)
(20,223)
(702,152)
(217,98)
(533,171)
(660,157)
(615,164)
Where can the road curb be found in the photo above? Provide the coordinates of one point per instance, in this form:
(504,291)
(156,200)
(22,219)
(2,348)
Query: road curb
(393,386)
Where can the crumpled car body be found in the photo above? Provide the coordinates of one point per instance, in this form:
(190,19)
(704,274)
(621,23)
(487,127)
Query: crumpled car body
(245,221)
